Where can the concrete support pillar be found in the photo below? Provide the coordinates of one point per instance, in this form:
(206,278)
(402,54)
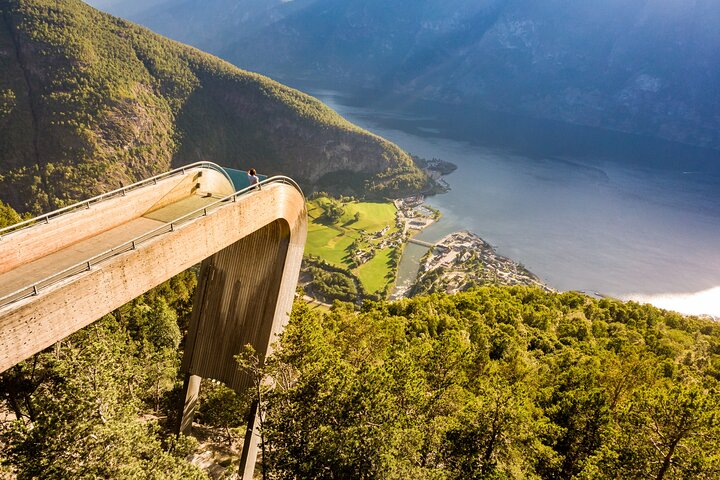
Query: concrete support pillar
(189,398)
(250,446)
(244,296)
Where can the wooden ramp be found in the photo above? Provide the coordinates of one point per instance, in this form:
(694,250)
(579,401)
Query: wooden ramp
(64,270)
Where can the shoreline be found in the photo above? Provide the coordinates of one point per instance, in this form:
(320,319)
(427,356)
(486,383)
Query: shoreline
(543,160)
(415,217)
(431,261)
(458,260)
(510,271)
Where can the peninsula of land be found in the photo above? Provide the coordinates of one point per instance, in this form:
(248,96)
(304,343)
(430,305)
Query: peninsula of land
(459,261)
(463,260)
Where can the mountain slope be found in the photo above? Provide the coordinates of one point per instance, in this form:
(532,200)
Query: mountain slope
(650,68)
(88,101)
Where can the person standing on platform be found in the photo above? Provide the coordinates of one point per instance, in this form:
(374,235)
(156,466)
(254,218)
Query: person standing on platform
(253,178)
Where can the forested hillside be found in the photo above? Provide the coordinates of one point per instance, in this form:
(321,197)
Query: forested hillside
(498,382)
(491,383)
(89,101)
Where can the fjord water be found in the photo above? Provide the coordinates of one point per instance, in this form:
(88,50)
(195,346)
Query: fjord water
(585,209)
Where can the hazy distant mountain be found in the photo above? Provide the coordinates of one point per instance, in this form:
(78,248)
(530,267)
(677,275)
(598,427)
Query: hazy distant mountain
(650,67)
(208,25)
(88,101)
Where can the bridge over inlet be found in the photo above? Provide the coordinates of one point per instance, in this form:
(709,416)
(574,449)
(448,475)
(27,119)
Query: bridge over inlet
(62,271)
(422,243)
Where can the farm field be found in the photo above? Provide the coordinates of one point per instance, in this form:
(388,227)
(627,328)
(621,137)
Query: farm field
(358,236)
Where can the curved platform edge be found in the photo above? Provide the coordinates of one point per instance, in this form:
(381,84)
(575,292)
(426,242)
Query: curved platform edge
(33,324)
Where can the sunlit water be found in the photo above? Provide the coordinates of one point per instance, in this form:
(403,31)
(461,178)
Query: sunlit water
(612,225)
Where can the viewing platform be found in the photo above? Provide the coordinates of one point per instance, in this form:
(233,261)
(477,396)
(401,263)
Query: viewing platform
(62,271)
(38,253)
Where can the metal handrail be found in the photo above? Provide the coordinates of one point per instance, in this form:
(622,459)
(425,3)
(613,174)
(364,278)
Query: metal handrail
(45,218)
(132,244)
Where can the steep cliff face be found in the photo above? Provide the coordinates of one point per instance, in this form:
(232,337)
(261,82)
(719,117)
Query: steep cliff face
(649,67)
(88,102)
(299,134)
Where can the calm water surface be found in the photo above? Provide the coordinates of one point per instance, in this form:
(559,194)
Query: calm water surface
(584,210)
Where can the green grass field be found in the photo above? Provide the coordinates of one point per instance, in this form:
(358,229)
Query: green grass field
(373,274)
(332,242)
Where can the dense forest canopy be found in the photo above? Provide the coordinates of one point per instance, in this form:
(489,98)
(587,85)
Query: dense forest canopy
(498,382)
